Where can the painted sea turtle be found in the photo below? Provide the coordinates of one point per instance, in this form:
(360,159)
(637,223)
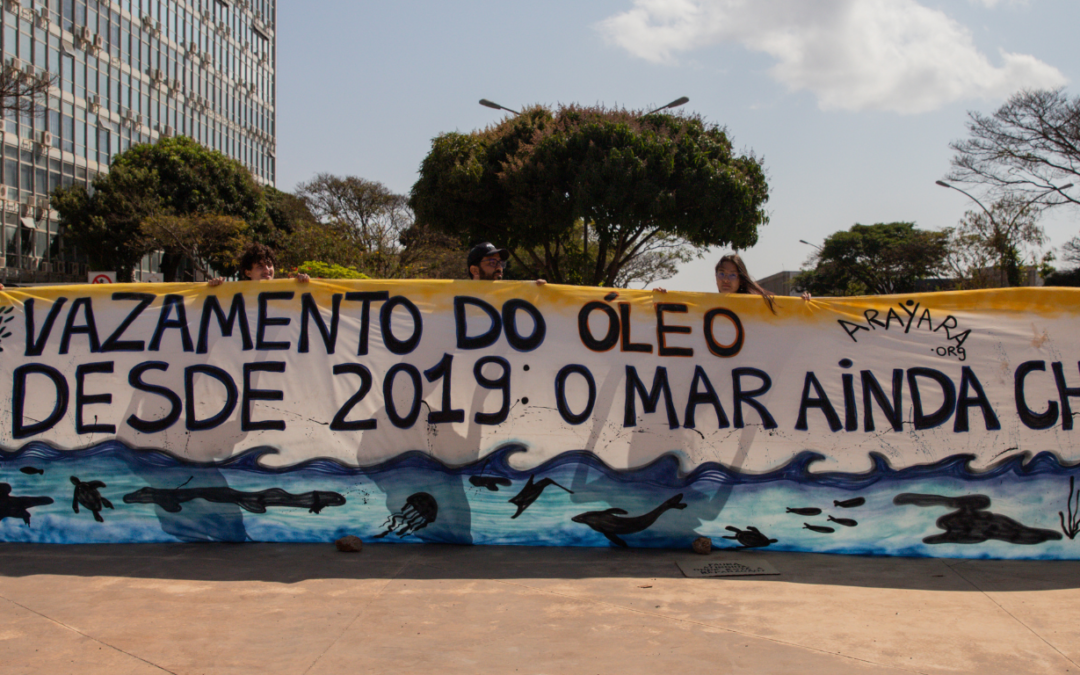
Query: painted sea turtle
(751,537)
(87,494)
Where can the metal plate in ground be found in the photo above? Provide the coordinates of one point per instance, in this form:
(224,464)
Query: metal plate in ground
(704,566)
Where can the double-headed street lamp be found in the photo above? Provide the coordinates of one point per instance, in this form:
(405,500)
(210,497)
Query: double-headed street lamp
(682,100)
(998,230)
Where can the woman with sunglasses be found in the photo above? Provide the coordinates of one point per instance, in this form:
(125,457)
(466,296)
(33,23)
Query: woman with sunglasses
(732,277)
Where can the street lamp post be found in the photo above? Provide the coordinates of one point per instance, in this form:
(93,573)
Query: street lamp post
(682,100)
(803,241)
(492,104)
(998,230)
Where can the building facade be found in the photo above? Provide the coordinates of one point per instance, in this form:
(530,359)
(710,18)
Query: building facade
(128,72)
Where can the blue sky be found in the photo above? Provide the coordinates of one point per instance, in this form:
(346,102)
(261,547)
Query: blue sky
(850,103)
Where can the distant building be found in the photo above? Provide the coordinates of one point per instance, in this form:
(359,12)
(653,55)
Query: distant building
(130,71)
(781,283)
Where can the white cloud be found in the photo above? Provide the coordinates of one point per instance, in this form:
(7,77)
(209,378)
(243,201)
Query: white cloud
(994,3)
(894,55)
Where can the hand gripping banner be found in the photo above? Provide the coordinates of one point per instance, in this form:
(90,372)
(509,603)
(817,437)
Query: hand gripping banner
(509,413)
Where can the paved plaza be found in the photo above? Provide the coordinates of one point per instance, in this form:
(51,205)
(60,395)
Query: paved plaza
(208,609)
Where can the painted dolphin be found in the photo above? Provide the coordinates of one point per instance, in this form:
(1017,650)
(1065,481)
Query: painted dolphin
(611,526)
(530,493)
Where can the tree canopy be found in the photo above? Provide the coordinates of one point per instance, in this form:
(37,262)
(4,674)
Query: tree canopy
(884,258)
(175,177)
(1029,147)
(579,193)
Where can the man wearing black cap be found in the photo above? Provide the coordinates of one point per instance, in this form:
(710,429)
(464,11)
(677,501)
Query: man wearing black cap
(486,263)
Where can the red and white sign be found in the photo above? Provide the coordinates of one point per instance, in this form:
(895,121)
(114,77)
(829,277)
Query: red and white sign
(101,277)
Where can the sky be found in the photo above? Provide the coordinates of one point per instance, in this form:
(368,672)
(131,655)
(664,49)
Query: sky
(851,104)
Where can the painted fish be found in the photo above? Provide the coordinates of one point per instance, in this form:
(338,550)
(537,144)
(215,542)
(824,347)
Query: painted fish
(818,528)
(32,470)
(850,503)
(846,522)
(490,482)
(808,511)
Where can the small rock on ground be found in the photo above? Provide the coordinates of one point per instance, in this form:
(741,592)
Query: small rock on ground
(349,544)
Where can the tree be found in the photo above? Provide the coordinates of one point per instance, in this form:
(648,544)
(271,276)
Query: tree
(577,194)
(316,242)
(208,241)
(1070,253)
(173,177)
(23,93)
(428,253)
(367,213)
(988,248)
(107,225)
(884,258)
(1029,147)
(286,211)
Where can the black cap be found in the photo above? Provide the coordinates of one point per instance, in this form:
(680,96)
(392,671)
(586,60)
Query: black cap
(483,250)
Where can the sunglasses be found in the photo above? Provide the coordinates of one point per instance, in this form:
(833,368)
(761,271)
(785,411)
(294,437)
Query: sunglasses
(493,263)
(720,276)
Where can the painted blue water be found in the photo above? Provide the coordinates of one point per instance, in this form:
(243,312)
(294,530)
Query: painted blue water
(1026,491)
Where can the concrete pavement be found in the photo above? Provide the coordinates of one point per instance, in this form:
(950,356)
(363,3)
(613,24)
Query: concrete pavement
(305,608)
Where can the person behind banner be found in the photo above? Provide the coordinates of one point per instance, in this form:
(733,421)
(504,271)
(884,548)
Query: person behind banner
(257,264)
(486,263)
(732,277)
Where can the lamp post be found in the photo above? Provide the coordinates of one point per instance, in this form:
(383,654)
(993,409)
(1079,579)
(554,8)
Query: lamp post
(682,100)
(999,232)
(803,241)
(492,104)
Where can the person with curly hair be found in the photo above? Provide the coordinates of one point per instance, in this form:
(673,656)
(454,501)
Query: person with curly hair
(257,264)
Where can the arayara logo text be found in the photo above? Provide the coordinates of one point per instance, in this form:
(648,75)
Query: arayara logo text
(913,317)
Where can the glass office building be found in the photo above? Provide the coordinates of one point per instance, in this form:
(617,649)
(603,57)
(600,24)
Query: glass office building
(128,72)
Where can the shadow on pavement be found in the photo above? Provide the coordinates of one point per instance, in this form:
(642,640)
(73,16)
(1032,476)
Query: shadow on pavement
(293,563)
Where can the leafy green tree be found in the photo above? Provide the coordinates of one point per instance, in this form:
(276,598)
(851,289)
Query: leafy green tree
(321,270)
(577,194)
(208,241)
(318,242)
(286,211)
(173,177)
(884,258)
(107,226)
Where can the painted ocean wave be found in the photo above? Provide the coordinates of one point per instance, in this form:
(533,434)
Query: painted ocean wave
(568,500)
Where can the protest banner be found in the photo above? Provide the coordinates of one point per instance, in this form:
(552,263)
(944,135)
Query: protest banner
(509,413)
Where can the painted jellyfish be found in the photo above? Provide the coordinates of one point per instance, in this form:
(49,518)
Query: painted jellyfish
(419,511)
